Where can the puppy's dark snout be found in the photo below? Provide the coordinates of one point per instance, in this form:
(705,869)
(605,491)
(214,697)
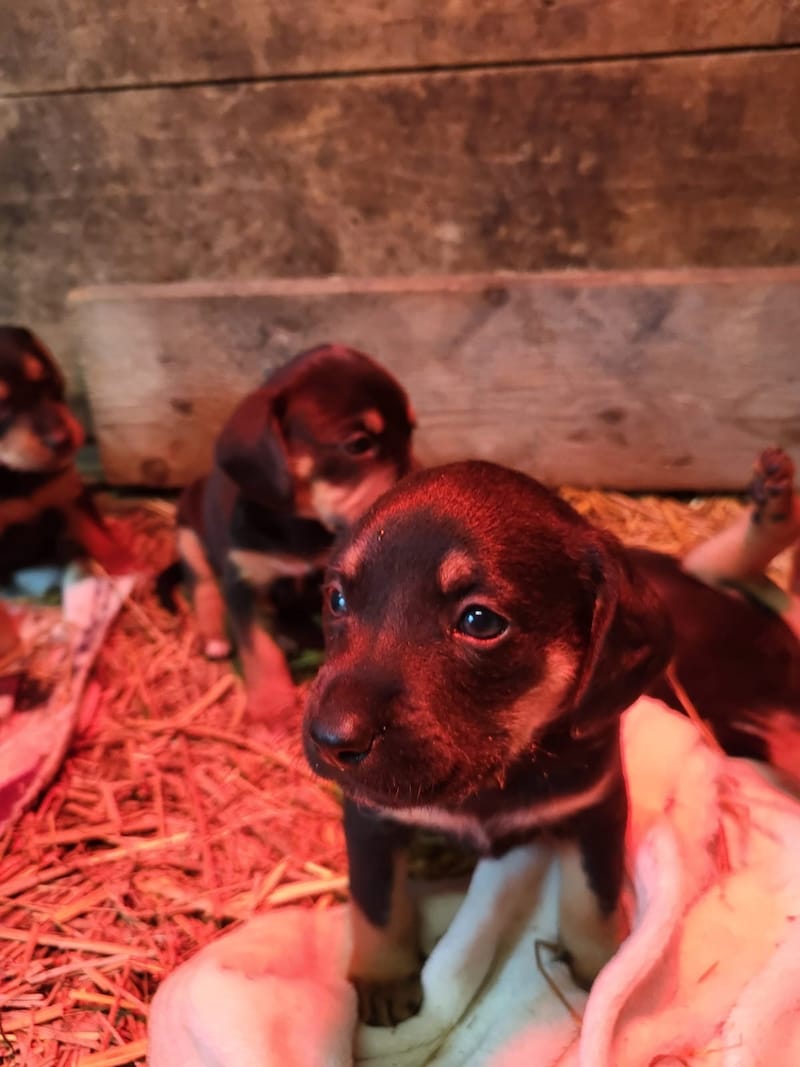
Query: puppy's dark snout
(342,742)
(57,438)
(346,716)
(52,429)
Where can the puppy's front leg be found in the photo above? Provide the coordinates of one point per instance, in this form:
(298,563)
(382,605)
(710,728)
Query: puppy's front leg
(591,923)
(270,690)
(385,964)
(207,600)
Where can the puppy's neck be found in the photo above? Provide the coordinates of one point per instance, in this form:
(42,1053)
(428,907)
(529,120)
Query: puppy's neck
(536,796)
(264,529)
(14,483)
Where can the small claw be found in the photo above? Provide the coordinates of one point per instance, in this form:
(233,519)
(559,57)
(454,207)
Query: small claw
(772,486)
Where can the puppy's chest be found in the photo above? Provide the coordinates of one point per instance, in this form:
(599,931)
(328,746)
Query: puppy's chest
(33,517)
(24,497)
(28,542)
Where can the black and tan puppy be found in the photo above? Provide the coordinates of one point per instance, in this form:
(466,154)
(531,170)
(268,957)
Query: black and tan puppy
(298,460)
(738,663)
(737,652)
(46,514)
(482,643)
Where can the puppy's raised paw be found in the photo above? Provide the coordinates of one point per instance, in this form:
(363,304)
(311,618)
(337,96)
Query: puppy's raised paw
(387,1003)
(772,486)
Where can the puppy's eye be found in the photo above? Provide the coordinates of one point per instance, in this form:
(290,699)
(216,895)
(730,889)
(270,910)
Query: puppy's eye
(337,601)
(359,444)
(481,623)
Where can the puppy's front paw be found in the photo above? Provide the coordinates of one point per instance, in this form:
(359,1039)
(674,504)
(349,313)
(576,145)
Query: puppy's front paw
(387,1003)
(586,951)
(583,971)
(217,648)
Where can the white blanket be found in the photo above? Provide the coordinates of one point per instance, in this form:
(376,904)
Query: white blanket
(709,975)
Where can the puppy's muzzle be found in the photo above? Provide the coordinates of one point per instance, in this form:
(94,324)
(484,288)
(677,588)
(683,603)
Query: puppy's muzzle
(344,717)
(59,440)
(343,741)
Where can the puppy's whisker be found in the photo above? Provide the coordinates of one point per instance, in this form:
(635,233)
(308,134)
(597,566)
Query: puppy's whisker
(540,750)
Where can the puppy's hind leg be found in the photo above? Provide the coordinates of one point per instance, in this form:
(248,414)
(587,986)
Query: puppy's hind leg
(385,964)
(207,599)
(592,867)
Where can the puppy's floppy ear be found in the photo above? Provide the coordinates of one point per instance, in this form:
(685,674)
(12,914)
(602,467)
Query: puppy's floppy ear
(251,450)
(630,640)
(39,348)
(23,340)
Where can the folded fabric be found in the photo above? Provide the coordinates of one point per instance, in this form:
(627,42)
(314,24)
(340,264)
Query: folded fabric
(710,973)
(33,742)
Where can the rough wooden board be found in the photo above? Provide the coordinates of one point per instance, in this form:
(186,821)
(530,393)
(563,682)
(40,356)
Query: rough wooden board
(664,163)
(69,44)
(661,380)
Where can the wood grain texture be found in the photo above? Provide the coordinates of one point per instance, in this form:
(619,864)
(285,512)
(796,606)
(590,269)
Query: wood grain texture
(663,380)
(70,44)
(665,163)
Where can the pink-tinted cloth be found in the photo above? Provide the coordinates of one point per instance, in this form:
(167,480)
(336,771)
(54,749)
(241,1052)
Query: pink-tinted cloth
(33,742)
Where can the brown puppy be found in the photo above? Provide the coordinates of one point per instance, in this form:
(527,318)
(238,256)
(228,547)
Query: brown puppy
(46,514)
(299,459)
(482,642)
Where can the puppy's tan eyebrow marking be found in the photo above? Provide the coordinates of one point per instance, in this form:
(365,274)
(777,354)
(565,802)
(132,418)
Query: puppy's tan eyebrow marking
(5,391)
(373,421)
(34,371)
(349,562)
(302,465)
(456,569)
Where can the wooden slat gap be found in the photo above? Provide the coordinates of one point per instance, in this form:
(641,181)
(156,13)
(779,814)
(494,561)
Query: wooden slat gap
(404,71)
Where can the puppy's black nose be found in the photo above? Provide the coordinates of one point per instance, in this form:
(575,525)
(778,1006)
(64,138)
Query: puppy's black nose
(57,438)
(344,742)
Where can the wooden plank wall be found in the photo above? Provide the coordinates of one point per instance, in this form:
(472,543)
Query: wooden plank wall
(56,45)
(146,143)
(634,380)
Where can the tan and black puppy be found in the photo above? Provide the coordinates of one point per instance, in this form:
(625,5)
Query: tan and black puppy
(46,514)
(737,651)
(482,642)
(298,460)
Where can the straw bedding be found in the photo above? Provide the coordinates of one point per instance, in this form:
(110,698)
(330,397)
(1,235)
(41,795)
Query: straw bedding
(174,817)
